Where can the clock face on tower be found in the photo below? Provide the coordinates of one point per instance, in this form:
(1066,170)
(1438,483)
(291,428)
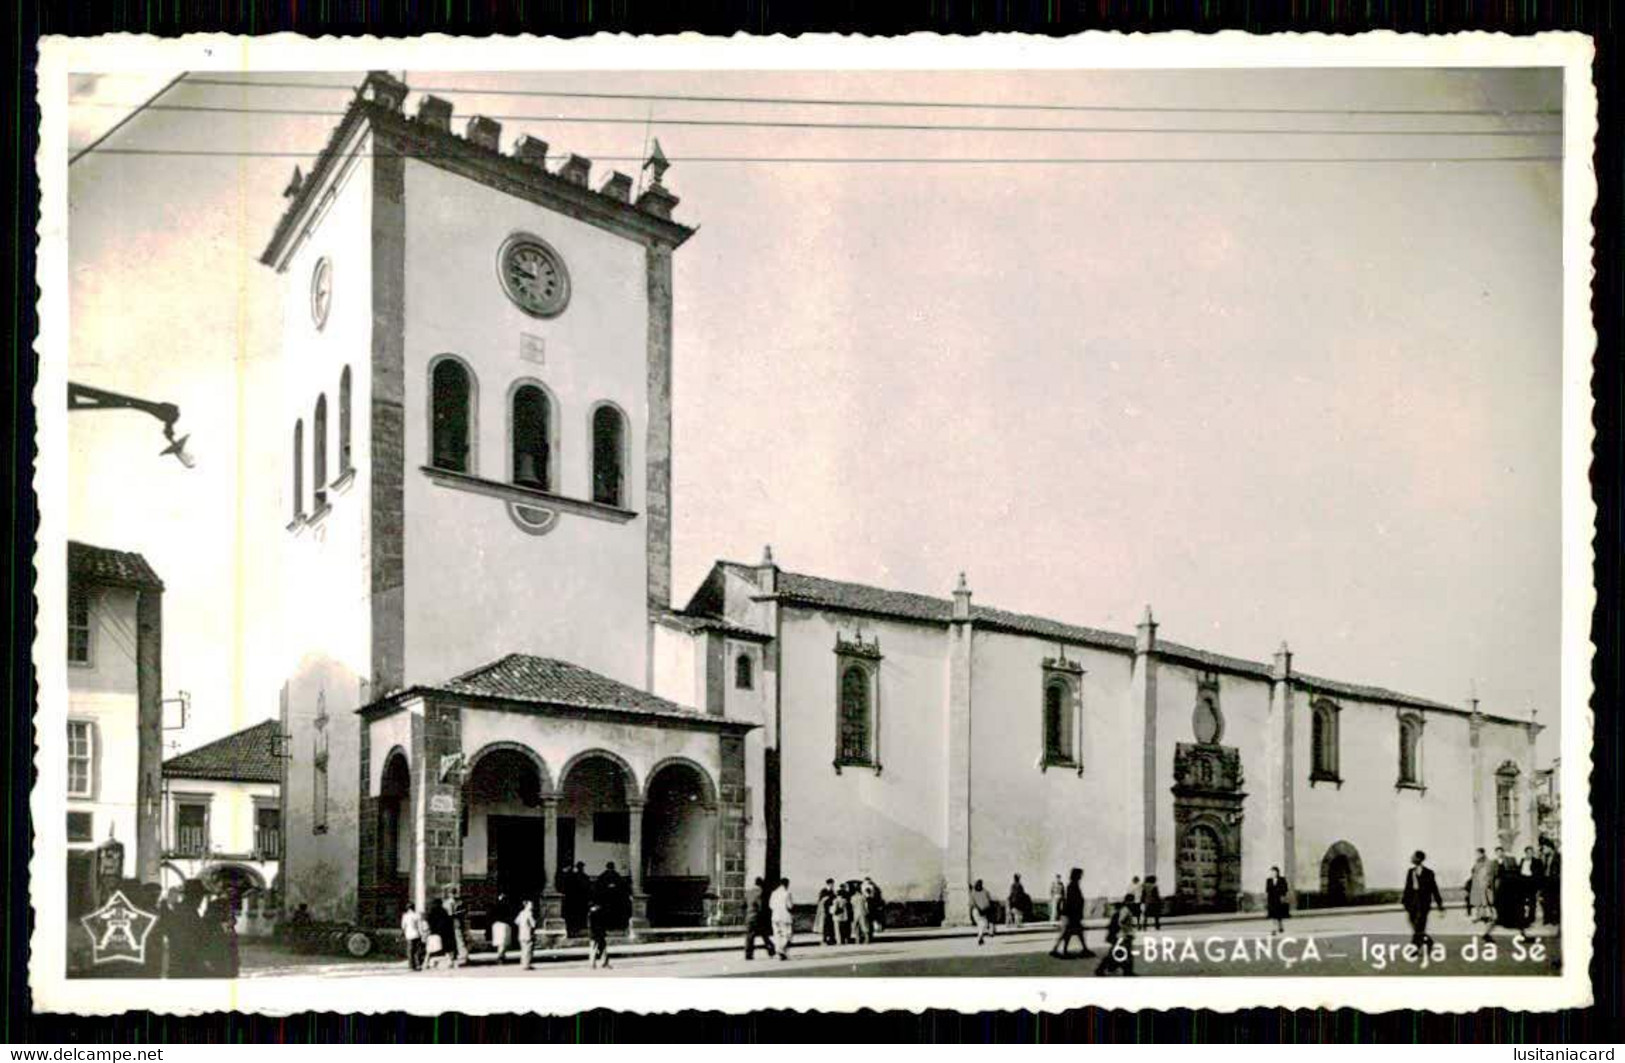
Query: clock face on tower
(321,291)
(534,276)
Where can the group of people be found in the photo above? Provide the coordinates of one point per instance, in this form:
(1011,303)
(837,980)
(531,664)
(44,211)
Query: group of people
(439,936)
(195,935)
(845,914)
(1510,892)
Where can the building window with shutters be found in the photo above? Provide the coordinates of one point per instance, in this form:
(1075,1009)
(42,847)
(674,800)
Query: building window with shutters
(857,704)
(1506,801)
(79,642)
(267,830)
(191,825)
(81,758)
(1323,743)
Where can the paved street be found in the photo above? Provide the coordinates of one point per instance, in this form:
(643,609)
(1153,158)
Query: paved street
(1325,944)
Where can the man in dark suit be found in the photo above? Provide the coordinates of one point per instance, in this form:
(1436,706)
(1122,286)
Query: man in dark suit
(1421,896)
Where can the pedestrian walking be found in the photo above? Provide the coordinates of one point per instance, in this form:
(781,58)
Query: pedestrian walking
(1551,889)
(598,932)
(525,929)
(501,927)
(1421,894)
(1151,902)
(1532,872)
(874,906)
(823,924)
(757,922)
(981,910)
(1479,884)
(412,930)
(440,944)
(1120,933)
(1019,907)
(1134,896)
(1506,896)
(1071,919)
(782,907)
(1057,898)
(459,926)
(1276,892)
(862,919)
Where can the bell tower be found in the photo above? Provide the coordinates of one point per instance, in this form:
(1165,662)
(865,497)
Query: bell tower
(477,358)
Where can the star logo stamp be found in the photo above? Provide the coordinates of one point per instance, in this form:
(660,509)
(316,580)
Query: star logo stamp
(118,931)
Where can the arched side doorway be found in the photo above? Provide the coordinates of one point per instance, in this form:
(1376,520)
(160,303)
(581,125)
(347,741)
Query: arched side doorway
(1342,876)
(679,843)
(394,837)
(600,824)
(504,827)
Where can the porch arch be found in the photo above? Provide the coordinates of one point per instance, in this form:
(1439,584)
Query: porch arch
(535,758)
(708,787)
(634,790)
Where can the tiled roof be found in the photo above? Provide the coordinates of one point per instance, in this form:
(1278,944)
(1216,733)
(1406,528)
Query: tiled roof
(247,756)
(836,594)
(542,680)
(102,565)
(1356,690)
(817,591)
(699,622)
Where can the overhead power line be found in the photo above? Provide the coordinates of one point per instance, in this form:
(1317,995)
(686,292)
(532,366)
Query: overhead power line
(802,101)
(904,126)
(122,122)
(920,160)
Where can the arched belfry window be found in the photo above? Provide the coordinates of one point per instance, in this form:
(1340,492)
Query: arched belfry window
(452,412)
(318,453)
(857,703)
(744,672)
(1323,743)
(298,469)
(532,434)
(346,460)
(608,456)
(1410,751)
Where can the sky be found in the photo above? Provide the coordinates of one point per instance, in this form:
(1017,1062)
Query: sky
(1274,400)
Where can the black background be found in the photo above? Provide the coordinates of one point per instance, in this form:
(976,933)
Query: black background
(569,19)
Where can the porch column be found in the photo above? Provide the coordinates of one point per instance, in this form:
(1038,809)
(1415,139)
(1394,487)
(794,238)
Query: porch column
(634,871)
(552,913)
(441,840)
(713,888)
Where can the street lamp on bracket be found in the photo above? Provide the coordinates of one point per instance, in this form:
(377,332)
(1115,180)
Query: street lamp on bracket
(84,397)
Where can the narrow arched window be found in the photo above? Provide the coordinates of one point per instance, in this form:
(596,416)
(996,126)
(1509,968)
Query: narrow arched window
(1410,762)
(1323,742)
(298,469)
(1506,799)
(346,462)
(1057,725)
(318,452)
(608,440)
(532,424)
(744,672)
(452,416)
(855,717)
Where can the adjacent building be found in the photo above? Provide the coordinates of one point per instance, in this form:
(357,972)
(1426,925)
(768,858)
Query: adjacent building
(115,720)
(223,812)
(488,680)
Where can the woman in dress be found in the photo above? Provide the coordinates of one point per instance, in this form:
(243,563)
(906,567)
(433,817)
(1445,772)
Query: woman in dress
(1478,889)
(1275,894)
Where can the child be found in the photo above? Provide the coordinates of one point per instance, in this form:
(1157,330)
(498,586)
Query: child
(598,929)
(1120,940)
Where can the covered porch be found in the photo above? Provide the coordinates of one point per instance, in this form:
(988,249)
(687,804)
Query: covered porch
(537,780)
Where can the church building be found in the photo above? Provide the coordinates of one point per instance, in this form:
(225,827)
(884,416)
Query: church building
(487,678)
